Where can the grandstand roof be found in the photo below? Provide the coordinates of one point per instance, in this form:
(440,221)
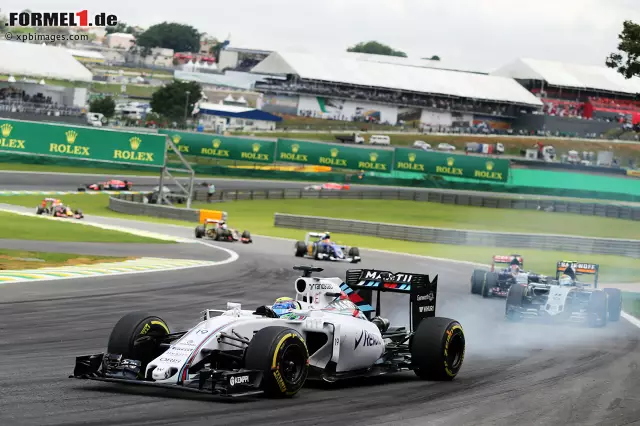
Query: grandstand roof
(572,76)
(350,70)
(221,110)
(408,62)
(37,60)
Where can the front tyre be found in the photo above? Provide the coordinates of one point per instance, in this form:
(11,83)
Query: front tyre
(282,356)
(138,336)
(437,349)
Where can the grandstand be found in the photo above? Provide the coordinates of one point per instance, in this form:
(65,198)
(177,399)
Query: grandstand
(579,91)
(35,86)
(354,87)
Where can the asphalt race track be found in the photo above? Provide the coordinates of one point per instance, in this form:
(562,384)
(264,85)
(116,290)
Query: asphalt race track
(513,373)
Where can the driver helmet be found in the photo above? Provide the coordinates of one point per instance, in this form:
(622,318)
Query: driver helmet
(515,269)
(565,280)
(285,305)
(326,236)
(223,225)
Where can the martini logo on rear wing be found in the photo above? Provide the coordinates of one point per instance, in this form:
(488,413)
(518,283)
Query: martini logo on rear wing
(420,287)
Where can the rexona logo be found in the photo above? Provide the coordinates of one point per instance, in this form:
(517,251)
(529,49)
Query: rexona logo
(449,169)
(371,164)
(383,276)
(367,339)
(333,160)
(134,154)
(255,154)
(6,142)
(215,152)
(488,173)
(293,155)
(69,148)
(238,380)
(176,140)
(411,164)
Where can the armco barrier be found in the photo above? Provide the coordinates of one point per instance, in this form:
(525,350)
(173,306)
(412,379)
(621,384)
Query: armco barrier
(139,208)
(629,248)
(464,199)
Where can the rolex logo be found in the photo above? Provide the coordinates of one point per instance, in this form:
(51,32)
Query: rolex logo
(450,161)
(176,138)
(217,143)
(373,157)
(489,165)
(135,143)
(295,148)
(6,130)
(334,152)
(71,136)
(412,157)
(255,147)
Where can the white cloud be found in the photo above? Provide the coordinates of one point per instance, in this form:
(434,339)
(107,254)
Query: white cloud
(480,34)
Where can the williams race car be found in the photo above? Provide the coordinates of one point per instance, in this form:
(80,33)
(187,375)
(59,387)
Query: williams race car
(110,185)
(318,245)
(566,299)
(498,281)
(56,208)
(219,231)
(330,332)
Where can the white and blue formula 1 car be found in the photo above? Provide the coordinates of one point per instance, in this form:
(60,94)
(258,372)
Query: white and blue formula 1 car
(565,299)
(334,333)
(315,247)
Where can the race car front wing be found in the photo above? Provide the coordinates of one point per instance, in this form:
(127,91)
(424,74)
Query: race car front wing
(324,256)
(112,368)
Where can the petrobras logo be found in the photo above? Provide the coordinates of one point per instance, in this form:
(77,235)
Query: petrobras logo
(238,380)
(367,339)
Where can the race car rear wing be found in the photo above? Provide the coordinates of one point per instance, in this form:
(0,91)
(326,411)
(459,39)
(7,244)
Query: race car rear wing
(421,289)
(507,260)
(574,268)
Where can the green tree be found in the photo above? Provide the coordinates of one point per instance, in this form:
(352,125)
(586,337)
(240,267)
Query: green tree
(170,100)
(376,48)
(627,60)
(105,106)
(170,35)
(120,27)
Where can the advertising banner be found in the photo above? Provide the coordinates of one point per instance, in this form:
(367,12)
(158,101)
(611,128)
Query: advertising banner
(456,165)
(336,156)
(82,143)
(223,147)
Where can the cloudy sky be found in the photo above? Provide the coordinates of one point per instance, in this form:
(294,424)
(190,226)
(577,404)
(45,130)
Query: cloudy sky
(474,34)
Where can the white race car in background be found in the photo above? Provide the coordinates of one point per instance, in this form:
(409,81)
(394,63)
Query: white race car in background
(335,334)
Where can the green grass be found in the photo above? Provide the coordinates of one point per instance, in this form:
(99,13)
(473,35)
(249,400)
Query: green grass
(14,226)
(631,303)
(257,216)
(260,213)
(13,260)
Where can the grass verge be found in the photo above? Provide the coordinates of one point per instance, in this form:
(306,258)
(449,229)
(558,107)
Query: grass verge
(257,216)
(14,260)
(18,227)
(631,303)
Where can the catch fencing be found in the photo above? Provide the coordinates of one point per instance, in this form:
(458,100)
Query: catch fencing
(566,243)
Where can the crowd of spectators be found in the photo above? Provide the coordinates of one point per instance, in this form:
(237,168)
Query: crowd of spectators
(18,101)
(392,97)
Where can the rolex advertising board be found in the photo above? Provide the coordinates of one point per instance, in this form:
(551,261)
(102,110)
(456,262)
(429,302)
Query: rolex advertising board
(333,155)
(83,143)
(223,147)
(443,164)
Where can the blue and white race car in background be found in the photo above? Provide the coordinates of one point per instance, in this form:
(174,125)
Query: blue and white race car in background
(316,248)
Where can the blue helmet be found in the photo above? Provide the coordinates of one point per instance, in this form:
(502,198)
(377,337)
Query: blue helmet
(284,305)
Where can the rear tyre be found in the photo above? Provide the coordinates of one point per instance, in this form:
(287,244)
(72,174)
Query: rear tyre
(246,236)
(39,210)
(300,248)
(137,336)
(615,303)
(597,309)
(217,234)
(200,231)
(477,278)
(437,349)
(490,281)
(282,356)
(515,297)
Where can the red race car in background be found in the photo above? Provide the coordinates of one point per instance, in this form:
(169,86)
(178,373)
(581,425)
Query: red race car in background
(327,187)
(57,208)
(110,185)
